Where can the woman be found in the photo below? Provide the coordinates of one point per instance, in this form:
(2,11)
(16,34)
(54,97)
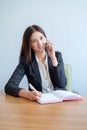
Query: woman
(42,65)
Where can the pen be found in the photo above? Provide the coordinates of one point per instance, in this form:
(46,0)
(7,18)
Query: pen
(32,87)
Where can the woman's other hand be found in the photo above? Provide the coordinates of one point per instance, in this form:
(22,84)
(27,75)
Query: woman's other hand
(51,52)
(31,95)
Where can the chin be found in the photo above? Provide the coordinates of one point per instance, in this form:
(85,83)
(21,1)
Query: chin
(41,50)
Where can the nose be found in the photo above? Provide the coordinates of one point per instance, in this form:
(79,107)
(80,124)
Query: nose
(40,42)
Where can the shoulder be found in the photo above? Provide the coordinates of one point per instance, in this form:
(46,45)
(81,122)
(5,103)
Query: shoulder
(22,61)
(58,53)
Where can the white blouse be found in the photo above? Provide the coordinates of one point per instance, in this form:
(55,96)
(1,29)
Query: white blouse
(47,85)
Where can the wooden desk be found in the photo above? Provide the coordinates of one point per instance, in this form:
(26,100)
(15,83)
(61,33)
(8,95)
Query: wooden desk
(21,114)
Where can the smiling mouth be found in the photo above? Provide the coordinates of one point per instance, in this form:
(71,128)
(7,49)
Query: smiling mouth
(41,47)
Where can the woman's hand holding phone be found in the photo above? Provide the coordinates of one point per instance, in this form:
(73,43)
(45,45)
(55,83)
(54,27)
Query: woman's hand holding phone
(51,52)
(50,49)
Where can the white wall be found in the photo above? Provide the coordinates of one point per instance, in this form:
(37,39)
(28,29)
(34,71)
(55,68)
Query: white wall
(64,21)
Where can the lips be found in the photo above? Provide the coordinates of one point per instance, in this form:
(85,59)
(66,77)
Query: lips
(41,47)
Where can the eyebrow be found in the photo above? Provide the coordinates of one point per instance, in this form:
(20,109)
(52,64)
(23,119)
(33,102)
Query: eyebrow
(36,39)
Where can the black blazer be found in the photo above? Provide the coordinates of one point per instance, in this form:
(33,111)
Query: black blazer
(31,70)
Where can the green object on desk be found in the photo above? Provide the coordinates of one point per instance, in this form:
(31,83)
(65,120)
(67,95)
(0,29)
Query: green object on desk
(68,70)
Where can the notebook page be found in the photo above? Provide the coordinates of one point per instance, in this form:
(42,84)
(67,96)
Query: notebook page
(67,95)
(48,98)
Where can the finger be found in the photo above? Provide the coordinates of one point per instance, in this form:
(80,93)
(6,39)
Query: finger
(49,45)
(49,42)
(34,98)
(36,95)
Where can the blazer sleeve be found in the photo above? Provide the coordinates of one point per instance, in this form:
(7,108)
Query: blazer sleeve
(58,74)
(12,85)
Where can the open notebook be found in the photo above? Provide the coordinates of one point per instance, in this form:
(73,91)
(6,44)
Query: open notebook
(59,96)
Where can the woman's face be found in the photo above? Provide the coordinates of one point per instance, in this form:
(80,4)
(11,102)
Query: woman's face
(38,42)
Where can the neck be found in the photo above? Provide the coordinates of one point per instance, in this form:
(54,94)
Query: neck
(41,56)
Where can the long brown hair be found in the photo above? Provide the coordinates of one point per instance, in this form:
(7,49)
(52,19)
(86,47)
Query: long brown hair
(26,50)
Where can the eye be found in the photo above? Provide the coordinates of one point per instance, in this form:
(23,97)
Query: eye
(41,38)
(33,41)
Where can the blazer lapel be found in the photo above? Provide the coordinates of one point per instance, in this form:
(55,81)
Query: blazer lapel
(36,71)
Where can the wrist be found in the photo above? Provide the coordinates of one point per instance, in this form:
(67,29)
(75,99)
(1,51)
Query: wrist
(54,61)
(24,94)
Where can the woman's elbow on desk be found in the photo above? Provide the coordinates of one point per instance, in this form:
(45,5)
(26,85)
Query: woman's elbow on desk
(11,90)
